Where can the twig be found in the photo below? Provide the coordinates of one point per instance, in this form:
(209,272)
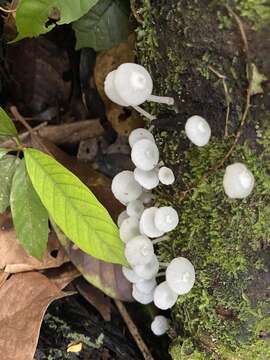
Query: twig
(23,136)
(227,97)
(7,10)
(21,119)
(248,95)
(133,330)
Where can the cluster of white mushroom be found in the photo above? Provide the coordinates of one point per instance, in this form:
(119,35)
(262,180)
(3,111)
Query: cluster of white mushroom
(142,225)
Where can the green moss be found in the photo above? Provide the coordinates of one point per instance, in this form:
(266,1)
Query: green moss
(223,238)
(227,313)
(257,11)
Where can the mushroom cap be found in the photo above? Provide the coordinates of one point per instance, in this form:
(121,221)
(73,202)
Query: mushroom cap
(147,179)
(160,325)
(166,175)
(164,297)
(135,208)
(146,286)
(125,188)
(139,250)
(149,270)
(140,296)
(129,228)
(110,90)
(198,130)
(139,134)
(133,83)
(180,275)
(147,223)
(238,181)
(121,217)
(145,154)
(166,218)
(130,275)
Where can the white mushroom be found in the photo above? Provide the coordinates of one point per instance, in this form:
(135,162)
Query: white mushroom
(166,218)
(145,154)
(110,90)
(121,217)
(130,275)
(164,297)
(139,134)
(140,296)
(238,181)
(149,270)
(147,223)
(166,176)
(125,188)
(129,228)
(198,130)
(160,325)
(139,250)
(148,179)
(146,286)
(180,275)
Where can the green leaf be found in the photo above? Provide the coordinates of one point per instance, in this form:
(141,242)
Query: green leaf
(36,17)
(29,216)
(3,152)
(103,27)
(7,128)
(74,208)
(8,166)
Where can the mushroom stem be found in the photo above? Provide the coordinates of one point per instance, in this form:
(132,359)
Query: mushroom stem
(160,274)
(143,112)
(163,238)
(161,99)
(163,265)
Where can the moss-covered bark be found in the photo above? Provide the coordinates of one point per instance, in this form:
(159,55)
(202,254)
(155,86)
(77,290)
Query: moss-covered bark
(196,52)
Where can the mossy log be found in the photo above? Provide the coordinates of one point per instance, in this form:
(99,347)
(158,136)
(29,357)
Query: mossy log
(213,58)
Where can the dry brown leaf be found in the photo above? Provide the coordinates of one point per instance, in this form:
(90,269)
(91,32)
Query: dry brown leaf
(24,299)
(62,276)
(15,259)
(3,277)
(122,120)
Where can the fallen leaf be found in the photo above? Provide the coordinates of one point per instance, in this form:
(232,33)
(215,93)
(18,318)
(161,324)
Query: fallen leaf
(95,297)
(63,275)
(256,80)
(15,259)
(122,119)
(74,348)
(105,276)
(24,300)
(3,277)
(37,76)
